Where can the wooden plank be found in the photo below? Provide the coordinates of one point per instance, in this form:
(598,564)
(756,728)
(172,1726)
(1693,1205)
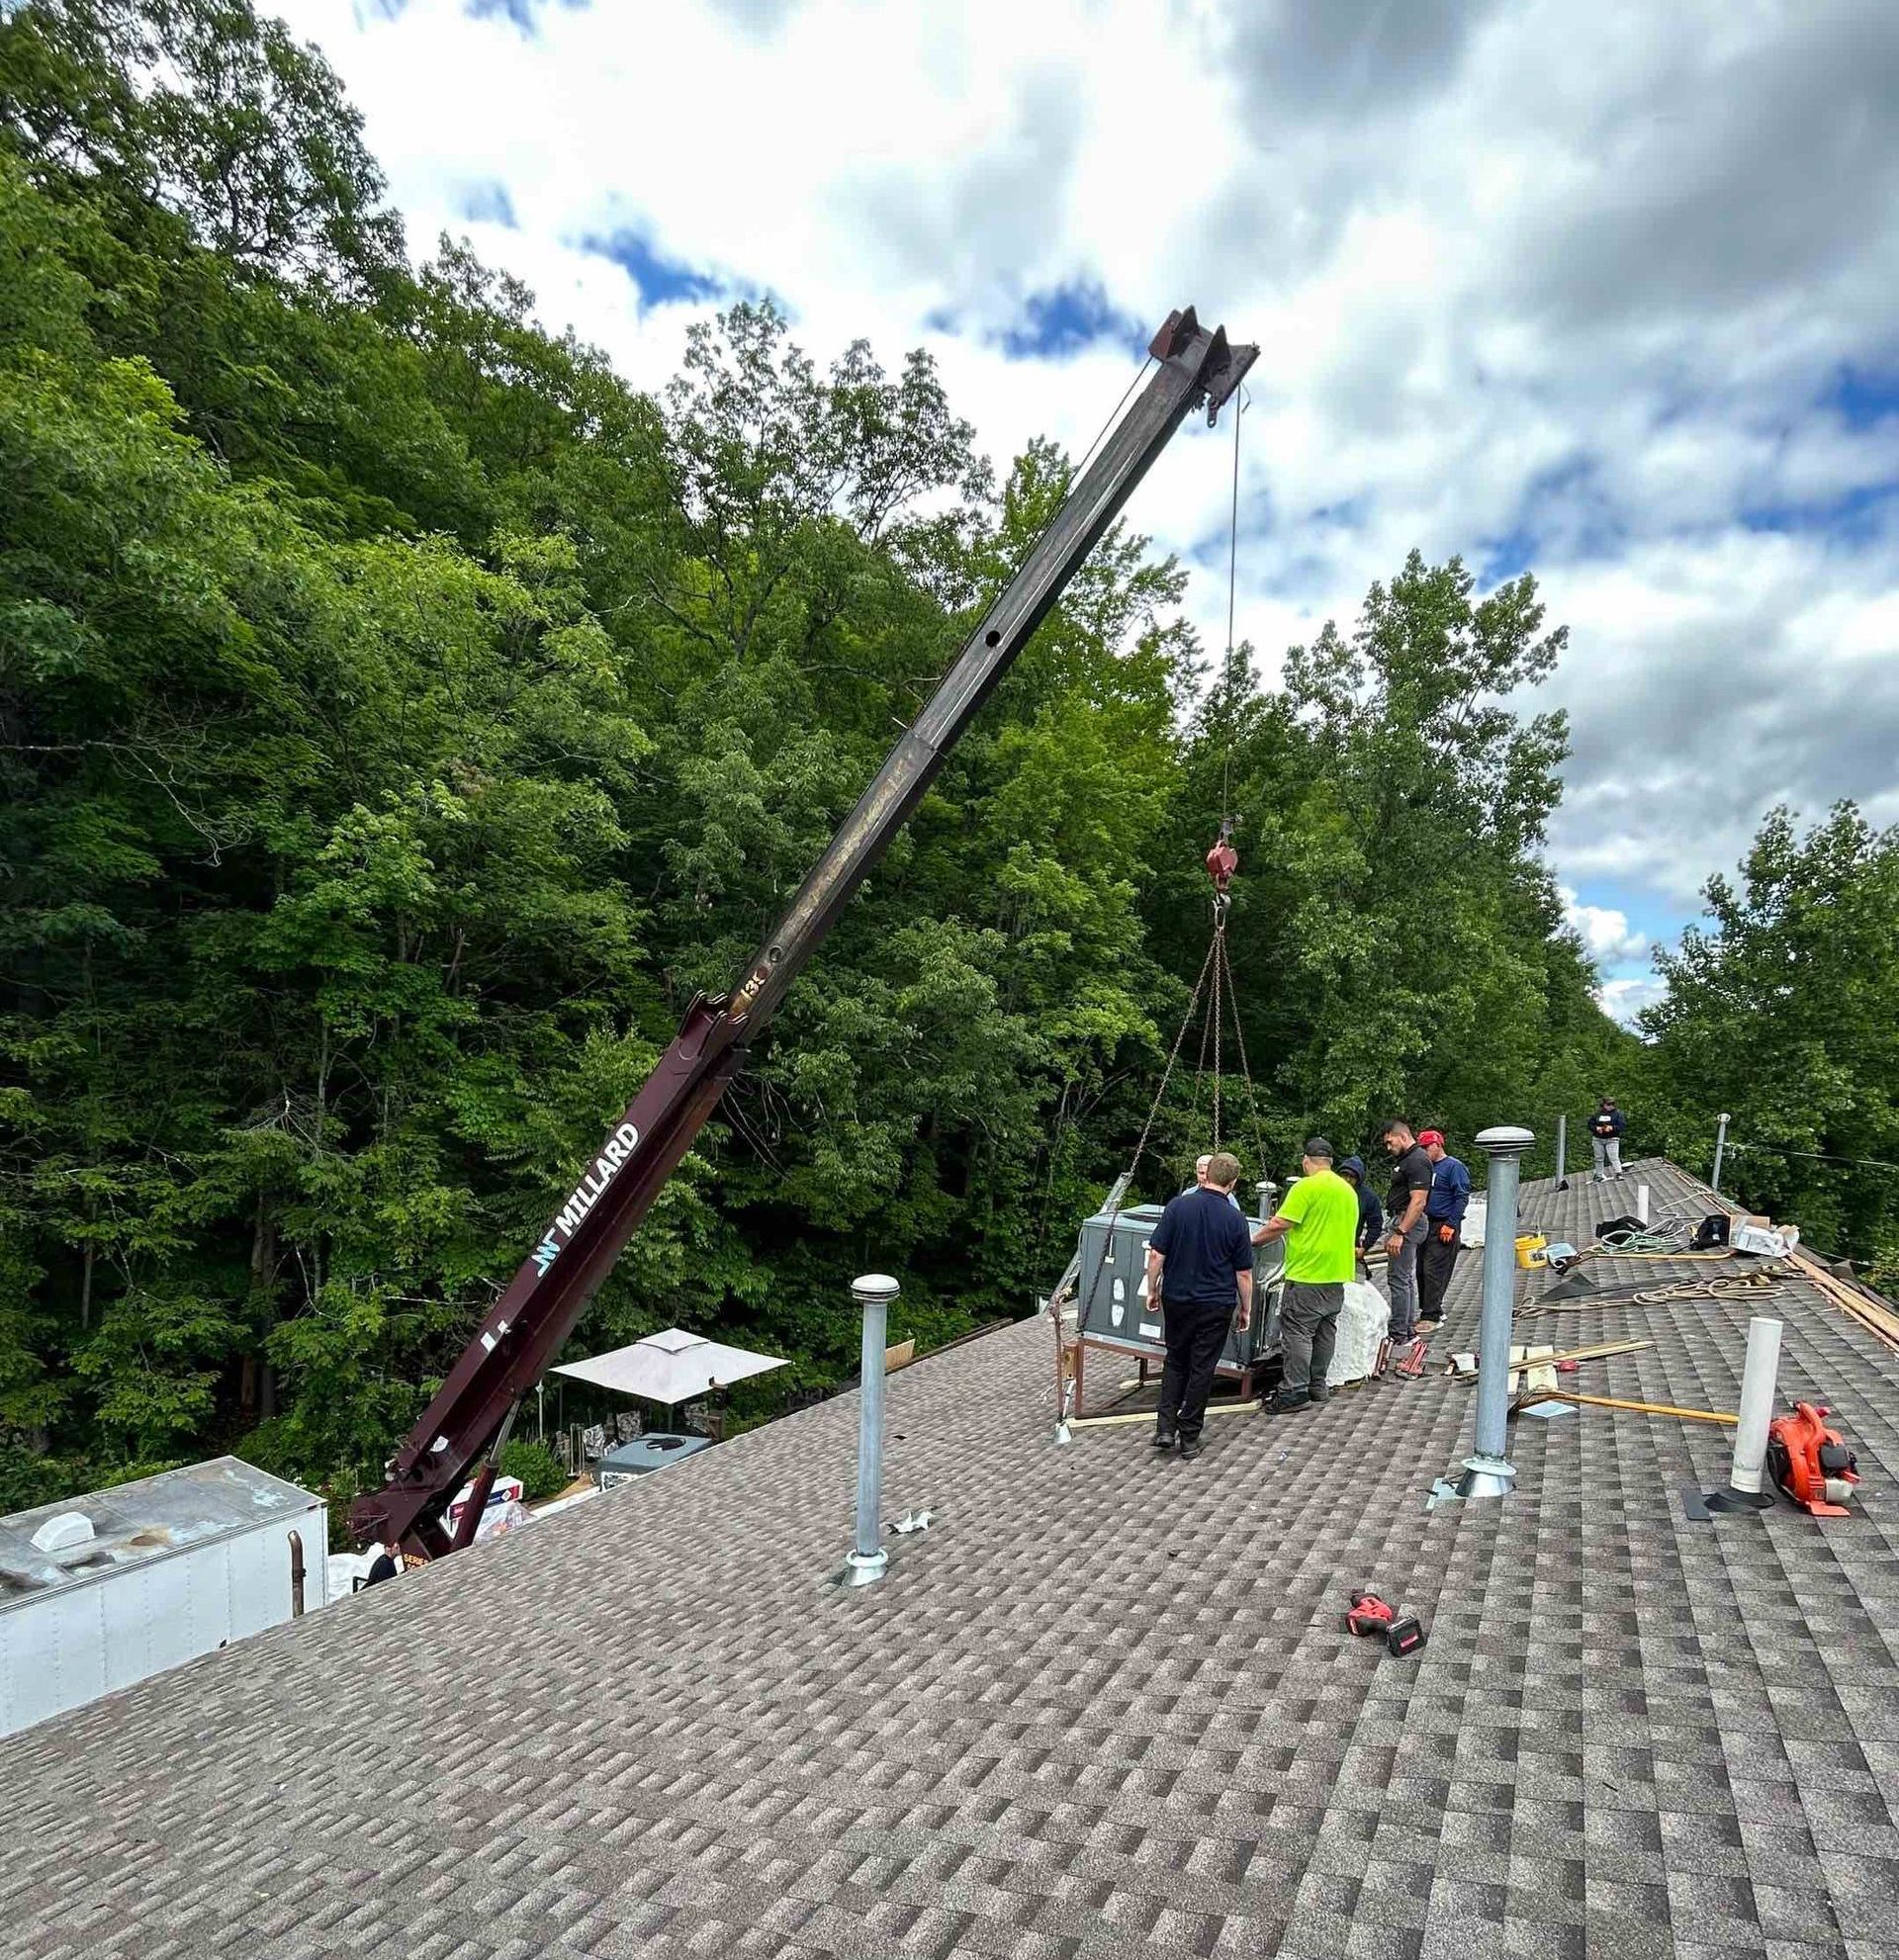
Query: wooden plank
(1147,1415)
(1879,1321)
(1637,1408)
(1519,1356)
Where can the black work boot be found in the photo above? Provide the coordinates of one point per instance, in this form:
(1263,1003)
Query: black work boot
(1189,1449)
(1282,1404)
(1163,1435)
(1316,1394)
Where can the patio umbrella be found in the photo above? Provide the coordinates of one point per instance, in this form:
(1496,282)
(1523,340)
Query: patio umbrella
(673,1366)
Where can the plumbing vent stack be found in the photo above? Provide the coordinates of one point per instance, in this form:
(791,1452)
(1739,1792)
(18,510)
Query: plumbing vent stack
(1757,1407)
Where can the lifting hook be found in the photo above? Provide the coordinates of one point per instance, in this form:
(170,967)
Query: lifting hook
(1223,860)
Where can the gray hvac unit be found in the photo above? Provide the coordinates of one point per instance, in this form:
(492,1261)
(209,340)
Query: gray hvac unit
(645,1454)
(1116,1312)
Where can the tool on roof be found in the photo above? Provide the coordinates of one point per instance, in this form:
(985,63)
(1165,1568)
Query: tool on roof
(1811,1463)
(1411,1358)
(524,1330)
(1372,1618)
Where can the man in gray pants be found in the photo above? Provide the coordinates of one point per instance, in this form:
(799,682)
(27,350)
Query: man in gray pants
(1605,1139)
(1404,1204)
(1318,1220)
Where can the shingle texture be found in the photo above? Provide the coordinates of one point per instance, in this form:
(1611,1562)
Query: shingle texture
(1104,1705)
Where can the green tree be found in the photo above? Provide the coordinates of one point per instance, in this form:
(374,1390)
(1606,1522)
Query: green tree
(400,718)
(1784,1011)
(1397,941)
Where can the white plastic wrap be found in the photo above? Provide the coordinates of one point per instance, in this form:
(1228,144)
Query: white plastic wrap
(1362,1323)
(1475,1218)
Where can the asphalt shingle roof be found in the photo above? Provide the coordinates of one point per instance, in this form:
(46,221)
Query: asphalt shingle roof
(1104,1705)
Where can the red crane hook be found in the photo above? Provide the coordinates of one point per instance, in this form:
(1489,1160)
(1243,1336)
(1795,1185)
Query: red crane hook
(1223,860)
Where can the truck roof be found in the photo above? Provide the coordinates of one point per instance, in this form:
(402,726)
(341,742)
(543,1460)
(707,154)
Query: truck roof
(142,1520)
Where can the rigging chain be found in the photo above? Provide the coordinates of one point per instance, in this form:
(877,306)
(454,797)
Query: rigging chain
(1140,1148)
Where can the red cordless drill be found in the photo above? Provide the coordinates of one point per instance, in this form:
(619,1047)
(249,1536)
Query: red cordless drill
(1402,1633)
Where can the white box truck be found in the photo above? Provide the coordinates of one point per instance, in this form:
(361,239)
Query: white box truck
(100,1591)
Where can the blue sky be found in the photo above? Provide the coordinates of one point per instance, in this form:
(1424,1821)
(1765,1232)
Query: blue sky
(1604,293)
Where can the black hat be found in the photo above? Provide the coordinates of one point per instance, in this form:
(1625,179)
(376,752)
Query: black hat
(1317,1146)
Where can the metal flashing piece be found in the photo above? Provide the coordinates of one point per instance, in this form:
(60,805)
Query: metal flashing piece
(1480,1476)
(1740,1500)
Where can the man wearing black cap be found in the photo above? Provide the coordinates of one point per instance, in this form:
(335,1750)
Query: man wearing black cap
(1318,1220)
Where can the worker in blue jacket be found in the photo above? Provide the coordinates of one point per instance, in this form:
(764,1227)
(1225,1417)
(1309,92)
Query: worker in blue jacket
(1444,1209)
(1605,1139)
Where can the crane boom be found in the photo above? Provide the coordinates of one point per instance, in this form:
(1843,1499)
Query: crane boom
(523,1332)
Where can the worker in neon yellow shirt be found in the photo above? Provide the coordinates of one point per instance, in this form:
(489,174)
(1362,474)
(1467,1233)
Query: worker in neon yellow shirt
(1318,1220)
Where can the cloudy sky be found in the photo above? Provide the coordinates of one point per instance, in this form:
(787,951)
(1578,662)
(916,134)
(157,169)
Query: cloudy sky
(1600,288)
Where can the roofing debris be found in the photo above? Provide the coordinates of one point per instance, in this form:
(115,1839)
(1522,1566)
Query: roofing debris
(1103,1706)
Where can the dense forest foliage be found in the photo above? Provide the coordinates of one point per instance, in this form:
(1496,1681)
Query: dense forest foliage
(1783,1010)
(400,717)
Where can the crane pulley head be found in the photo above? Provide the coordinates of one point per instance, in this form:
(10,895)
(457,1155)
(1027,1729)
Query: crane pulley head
(1225,365)
(1223,860)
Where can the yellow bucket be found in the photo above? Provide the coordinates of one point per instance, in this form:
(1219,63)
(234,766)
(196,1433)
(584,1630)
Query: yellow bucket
(1529,1251)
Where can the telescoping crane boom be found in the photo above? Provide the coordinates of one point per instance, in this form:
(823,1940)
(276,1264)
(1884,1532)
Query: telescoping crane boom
(463,1429)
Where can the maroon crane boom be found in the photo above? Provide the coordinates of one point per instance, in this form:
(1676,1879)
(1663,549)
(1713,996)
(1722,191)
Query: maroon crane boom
(464,1428)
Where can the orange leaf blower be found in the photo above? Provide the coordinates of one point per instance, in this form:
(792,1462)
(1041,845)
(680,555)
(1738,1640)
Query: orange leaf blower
(1811,1463)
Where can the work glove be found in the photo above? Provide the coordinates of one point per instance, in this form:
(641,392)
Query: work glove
(1446,1233)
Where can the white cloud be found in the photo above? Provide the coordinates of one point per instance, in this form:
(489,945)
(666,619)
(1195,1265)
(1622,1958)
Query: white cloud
(1582,276)
(1606,933)
(1624,999)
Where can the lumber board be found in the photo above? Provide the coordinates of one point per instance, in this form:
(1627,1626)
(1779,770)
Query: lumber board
(1879,1321)
(1637,1408)
(1147,1415)
(1602,1350)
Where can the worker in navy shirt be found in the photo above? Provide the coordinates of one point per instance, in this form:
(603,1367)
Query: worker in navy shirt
(1200,1267)
(1605,1139)
(1444,1209)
